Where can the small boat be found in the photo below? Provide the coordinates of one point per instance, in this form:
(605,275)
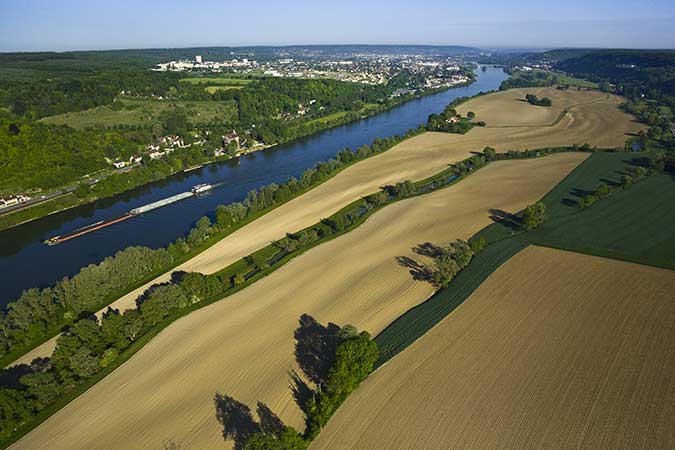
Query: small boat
(193,168)
(199,188)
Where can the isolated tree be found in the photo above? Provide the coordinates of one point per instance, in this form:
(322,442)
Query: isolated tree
(489,153)
(533,216)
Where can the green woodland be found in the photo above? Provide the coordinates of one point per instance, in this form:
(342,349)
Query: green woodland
(61,119)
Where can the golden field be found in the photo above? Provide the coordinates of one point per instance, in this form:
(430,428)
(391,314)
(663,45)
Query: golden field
(243,346)
(596,120)
(555,350)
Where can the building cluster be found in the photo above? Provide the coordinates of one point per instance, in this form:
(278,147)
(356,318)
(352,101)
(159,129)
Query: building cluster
(121,164)
(198,64)
(537,66)
(165,146)
(13,200)
(357,68)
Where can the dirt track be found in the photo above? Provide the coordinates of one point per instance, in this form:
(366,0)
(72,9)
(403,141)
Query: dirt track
(598,122)
(243,346)
(555,350)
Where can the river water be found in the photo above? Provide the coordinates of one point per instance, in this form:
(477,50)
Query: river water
(26,262)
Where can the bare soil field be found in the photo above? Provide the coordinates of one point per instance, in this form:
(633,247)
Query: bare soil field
(243,346)
(510,109)
(555,350)
(598,123)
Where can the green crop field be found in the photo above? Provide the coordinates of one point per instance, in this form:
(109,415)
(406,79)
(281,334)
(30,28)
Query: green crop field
(420,319)
(562,79)
(143,112)
(212,89)
(600,167)
(636,224)
(217,81)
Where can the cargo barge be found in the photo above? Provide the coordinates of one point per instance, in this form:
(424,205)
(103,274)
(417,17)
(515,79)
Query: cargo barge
(88,229)
(196,190)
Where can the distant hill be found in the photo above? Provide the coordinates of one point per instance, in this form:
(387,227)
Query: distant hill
(148,57)
(643,70)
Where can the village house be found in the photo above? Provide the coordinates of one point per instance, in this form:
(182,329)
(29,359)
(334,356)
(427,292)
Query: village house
(13,200)
(231,137)
(156,154)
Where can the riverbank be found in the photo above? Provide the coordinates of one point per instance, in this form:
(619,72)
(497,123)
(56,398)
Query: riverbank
(338,300)
(412,159)
(22,245)
(69,200)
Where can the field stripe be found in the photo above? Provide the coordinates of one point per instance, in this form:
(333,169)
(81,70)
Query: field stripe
(417,321)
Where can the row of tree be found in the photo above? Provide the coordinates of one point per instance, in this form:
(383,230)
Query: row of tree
(39,311)
(536,101)
(346,358)
(649,165)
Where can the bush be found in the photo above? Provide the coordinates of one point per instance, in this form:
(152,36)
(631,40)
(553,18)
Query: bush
(533,216)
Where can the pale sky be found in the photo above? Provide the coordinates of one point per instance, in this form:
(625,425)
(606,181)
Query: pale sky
(32,25)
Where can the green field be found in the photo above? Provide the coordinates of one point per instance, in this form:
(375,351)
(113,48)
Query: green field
(143,112)
(212,89)
(636,224)
(562,78)
(217,81)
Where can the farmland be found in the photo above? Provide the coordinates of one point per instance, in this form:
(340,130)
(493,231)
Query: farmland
(214,84)
(138,405)
(217,81)
(510,109)
(554,350)
(212,89)
(599,122)
(143,112)
(633,225)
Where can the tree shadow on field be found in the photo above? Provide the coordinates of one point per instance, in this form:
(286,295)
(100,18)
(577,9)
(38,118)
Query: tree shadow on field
(315,346)
(177,276)
(302,393)
(269,422)
(419,271)
(148,292)
(505,218)
(578,194)
(10,376)
(236,419)
(610,182)
(238,423)
(428,249)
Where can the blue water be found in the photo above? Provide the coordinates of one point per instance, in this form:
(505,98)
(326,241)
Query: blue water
(26,262)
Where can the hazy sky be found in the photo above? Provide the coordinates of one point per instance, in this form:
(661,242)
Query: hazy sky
(30,25)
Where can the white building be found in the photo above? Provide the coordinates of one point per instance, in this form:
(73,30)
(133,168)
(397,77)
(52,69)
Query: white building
(198,59)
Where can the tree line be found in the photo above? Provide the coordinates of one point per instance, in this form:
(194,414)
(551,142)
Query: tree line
(37,311)
(346,357)
(536,101)
(449,121)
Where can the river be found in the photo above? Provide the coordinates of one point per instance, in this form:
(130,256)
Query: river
(26,262)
